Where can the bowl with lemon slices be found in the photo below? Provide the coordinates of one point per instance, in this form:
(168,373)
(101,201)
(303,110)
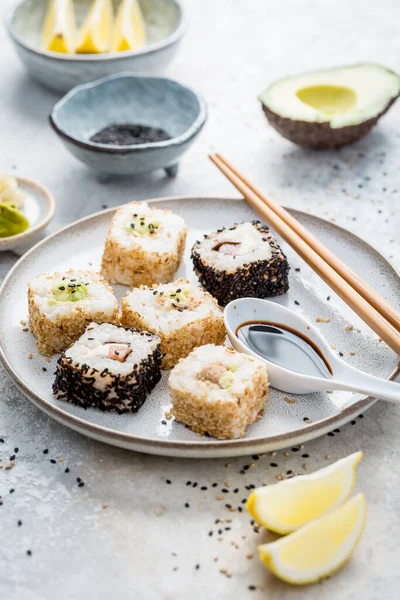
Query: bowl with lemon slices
(64,43)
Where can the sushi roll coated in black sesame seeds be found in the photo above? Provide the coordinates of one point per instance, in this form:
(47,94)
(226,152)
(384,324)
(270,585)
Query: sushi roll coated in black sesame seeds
(110,368)
(243,261)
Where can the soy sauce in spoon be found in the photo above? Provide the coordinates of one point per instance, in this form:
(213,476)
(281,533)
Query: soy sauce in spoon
(285,347)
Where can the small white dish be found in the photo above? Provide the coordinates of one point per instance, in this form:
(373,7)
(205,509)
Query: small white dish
(39,209)
(342,376)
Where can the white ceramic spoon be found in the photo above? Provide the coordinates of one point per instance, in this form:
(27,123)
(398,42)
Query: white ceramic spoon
(343,377)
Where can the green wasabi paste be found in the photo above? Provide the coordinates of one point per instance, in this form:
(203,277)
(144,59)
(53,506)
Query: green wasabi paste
(12,221)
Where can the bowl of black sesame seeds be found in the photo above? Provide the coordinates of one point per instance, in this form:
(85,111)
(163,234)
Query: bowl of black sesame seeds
(127,124)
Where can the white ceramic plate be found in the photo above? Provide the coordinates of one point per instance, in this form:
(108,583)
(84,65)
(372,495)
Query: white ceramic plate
(80,246)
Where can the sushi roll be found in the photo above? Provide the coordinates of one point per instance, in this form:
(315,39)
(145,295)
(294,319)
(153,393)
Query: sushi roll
(180,313)
(218,391)
(62,304)
(110,368)
(144,245)
(244,260)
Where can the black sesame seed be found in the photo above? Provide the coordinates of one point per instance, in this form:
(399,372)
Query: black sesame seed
(210,533)
(164,422)
(252,587)
(81,484)
(1,441)
(225,491)
(295,449)
(29,552)
(297,303)
(53,461)
(328,298)
(242,472)
(16,450)
(246,467)
(44,369)
(240,509)
(297,269)
(353,422)
(273,465)
(331,434)
(168,481)
(195,484)
(235,491)
(340,353)
(12,490)
(214,484)
(187,504)
(360,416)
(197,567)
(336,430)
(66,470)
(219,531)
(19,523)
(78,479)
(188,483)
(45,451)
(289,472)
(228,505)
(203,487)
(305,455)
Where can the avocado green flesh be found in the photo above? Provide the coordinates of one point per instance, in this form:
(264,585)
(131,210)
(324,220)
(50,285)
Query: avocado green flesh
(67,291)
(341,97)
(142,226)
(12,221)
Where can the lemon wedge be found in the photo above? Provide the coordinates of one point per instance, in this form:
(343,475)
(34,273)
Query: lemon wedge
(59,29)
(130,27)
(95,33)
(290,504)
(319,548)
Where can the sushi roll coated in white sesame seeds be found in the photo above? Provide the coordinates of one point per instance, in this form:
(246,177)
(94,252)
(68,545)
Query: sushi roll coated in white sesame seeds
(144,245)
(61,305)
(110,368)
(243,261)
(218,391)
(183,315)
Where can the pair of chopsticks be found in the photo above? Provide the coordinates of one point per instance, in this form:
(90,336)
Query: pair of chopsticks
(370,306)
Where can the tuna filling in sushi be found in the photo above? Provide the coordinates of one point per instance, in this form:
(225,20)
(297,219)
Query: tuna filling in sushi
(110,368)
(243,261)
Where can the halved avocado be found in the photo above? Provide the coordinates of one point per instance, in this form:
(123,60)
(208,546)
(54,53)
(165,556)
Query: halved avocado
(330,108)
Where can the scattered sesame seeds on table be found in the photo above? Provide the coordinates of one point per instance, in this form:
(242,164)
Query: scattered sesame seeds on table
(80,519)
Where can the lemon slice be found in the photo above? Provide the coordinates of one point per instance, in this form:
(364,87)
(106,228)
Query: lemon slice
(130,27)
(319,548)
(59,29)
(287,505)
(95,33)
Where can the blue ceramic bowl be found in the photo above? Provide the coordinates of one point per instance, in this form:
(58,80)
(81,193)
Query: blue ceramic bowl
(165,23)
(128,98)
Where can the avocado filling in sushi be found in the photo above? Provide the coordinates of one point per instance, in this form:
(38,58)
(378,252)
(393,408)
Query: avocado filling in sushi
(68,291)
(142,226)
(218,374)
(179,299)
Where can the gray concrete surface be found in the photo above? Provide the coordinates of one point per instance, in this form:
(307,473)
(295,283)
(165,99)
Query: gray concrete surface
(126,534)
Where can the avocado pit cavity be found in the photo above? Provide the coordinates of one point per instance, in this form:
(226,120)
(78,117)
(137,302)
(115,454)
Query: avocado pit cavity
(328,99)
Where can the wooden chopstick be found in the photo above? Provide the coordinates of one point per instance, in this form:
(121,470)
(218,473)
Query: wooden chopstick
(362,287)
(349,295)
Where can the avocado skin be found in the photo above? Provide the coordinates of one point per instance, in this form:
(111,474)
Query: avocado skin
(321,136)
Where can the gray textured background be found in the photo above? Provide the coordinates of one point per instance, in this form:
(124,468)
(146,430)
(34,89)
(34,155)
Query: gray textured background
(82,550)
